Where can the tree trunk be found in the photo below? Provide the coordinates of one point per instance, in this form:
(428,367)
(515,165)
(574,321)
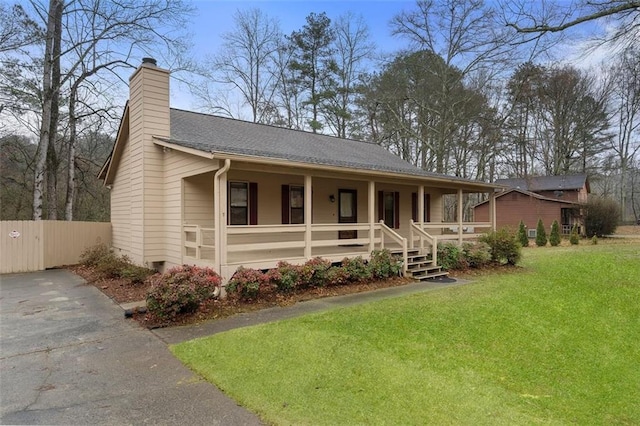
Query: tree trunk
(50,92)
(71,165)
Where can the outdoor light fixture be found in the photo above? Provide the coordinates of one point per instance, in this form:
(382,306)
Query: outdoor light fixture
(332,198)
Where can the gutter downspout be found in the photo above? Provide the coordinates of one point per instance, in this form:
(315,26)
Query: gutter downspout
(217,221)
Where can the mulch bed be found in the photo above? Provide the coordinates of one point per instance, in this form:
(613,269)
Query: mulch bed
(122,291)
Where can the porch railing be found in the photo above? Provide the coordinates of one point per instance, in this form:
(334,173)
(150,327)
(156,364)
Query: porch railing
(416,231)
(386,231)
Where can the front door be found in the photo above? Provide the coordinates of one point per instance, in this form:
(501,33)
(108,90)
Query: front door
(347,211)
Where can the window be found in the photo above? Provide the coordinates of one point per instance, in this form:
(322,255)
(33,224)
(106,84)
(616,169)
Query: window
(243,203)
(427,207)
(389,208)
(292,204)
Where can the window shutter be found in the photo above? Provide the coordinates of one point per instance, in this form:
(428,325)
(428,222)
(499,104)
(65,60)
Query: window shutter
(414,206)
(396,207)
(427,207)
(253,203)
(285,204)
(380,206)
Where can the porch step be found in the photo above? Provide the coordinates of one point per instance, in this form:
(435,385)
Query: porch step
(420,266)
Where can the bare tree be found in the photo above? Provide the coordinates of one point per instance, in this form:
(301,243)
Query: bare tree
(552,16)
(245,62)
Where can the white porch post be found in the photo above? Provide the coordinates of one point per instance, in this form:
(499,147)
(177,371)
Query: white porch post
(492,210)
(372,215)
(220,215)
(308,214)
(460,207)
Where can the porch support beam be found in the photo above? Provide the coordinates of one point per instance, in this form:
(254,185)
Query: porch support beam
(220,215)
(492,210)
(308,210)
(460,216)
(372,215)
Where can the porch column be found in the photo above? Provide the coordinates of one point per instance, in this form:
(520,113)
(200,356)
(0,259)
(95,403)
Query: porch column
(372,215)
(220,215)
(308,210)
(420,218)
(460,208)
(492,210)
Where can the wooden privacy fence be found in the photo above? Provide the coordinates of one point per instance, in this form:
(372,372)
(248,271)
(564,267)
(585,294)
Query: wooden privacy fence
(27,245)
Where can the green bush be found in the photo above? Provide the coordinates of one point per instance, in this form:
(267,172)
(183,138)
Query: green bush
(554,236)
(451,256)
(247,283)
(104,261)
(357,269)
(541,234)
(337,275)
(522,235)
(602,216)
(315,270)
(594,240)
(135,274)
(384,265)
(504,246)
(574,238)
(182,290)
(477,255)
(288,277)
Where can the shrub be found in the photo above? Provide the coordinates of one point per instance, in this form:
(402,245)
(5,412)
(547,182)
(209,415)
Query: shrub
(93,255)
(246,283)
(602,216)
(182,290)
(504,246)
(337,275)
(554,236)
(136,274)
(111,266)
(383,264)
(594,240)
(316,270)
(357,269)
(574,238)
(541,234)
(451,256)
(477,255)
(522,235)
(288,277)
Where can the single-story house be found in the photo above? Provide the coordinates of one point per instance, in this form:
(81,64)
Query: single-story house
(544,197)
(192,188)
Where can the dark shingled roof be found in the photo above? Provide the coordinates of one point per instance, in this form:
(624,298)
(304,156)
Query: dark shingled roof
(215,134)
(546,183)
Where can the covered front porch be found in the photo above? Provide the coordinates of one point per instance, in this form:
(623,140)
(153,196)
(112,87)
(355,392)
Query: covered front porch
(255,215)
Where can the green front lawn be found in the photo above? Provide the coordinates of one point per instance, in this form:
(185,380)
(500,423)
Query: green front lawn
(556,343)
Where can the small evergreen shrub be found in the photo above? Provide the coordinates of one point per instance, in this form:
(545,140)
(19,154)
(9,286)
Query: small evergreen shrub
(182,290)
(594,240)
(504,246)
(357,269)
(574,238)
(247,283)
(109,265)
(541,234)
(288,277)
(450,256)
(602,216)
(136,274)
(477,255)
(522,235)
(316,270)
(554,236)
(384,265)
(337,275)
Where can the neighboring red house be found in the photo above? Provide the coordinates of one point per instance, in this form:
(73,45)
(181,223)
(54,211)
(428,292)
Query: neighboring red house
(545,197)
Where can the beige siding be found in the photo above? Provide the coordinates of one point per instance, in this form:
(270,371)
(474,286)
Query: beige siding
(181,204)
(36,245)
(121,205)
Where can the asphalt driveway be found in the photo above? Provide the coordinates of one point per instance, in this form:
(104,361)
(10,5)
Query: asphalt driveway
(67,356)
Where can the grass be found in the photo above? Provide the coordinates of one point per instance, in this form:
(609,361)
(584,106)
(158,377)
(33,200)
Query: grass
(556,343)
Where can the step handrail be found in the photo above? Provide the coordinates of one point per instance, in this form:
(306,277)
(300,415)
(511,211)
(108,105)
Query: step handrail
(384,229)
(433,240)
